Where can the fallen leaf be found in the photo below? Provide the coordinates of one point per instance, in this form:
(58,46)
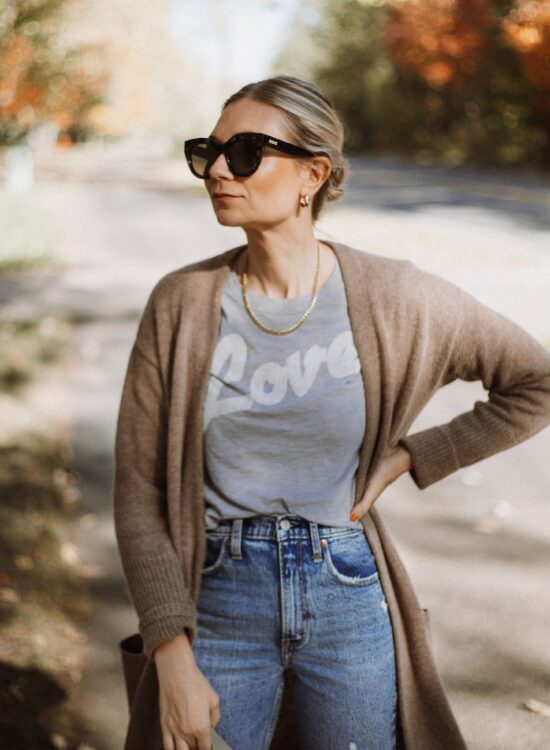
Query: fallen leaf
(69,552)
(9,595)
(91,571)
(59,741)
(23,562)
(537,707)
(4,578)
(472,478)
(485,526)
(501,508)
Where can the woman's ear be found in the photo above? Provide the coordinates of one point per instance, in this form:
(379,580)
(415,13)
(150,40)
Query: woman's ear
(319,169)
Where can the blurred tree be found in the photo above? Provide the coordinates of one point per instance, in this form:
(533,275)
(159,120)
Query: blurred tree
(443,41)
(477,98)
(39,79)
(527,30)
(442,80)
(350,64)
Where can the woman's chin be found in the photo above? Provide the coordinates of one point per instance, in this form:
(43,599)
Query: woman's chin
(227,219)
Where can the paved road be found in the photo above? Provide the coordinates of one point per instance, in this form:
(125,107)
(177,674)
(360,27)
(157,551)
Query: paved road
(475,544)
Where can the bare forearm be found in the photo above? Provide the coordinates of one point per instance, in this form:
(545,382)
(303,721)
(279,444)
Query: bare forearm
(401,459)
(179,646)
(405,458)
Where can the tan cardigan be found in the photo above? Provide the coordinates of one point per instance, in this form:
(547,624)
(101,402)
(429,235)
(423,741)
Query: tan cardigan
(414,332)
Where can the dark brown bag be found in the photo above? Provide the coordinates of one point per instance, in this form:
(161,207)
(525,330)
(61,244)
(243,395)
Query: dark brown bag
(134,661)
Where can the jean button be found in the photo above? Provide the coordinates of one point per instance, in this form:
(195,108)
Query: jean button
(285,524)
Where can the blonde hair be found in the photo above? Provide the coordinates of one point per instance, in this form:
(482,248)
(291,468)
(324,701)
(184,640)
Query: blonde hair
(312,123)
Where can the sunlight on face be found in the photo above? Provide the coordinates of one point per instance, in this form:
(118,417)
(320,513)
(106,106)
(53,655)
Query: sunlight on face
(270,195)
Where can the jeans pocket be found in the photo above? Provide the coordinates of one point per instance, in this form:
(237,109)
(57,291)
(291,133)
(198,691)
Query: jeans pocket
(216,546)
(349,559)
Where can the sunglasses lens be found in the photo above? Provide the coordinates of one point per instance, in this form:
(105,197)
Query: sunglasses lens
(245,155)
(202,156)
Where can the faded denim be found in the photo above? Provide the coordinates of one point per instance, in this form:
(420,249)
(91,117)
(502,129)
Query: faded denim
(280,592)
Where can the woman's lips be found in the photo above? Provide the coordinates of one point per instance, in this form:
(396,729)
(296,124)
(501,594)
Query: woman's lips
(224,197)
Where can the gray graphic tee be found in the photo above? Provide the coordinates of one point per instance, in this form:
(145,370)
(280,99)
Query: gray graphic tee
(284,416)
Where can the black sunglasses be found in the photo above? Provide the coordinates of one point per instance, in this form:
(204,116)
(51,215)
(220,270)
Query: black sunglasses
(243,153)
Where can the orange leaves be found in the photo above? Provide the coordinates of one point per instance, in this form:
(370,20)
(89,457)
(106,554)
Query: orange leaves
(527,30)
(15,59)
(440,39)
(43,77)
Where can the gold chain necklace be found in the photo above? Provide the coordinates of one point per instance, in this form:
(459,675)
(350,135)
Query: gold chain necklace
(265,328)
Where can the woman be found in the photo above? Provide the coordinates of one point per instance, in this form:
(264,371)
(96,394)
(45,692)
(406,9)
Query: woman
(264,411)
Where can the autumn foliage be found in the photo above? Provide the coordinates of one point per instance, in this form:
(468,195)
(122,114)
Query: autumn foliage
(40,79)
(527,30)
(445,81)
(442,40)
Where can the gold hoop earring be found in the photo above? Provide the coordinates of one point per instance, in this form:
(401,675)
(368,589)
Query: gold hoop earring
(304,200)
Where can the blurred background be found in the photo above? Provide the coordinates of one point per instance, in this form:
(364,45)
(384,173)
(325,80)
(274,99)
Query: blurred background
(446,106)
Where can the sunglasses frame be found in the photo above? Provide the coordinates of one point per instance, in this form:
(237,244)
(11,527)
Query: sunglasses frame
(261,139)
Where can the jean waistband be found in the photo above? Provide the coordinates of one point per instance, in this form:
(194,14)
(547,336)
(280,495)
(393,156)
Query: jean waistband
(287,525)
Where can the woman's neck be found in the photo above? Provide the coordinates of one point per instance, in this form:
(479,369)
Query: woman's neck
(284,272)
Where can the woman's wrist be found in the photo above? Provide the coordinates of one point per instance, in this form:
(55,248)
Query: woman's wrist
(404,458)
(180,645)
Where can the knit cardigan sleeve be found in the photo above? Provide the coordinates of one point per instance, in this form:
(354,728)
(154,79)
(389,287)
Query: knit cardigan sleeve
(465,339)
(150,564)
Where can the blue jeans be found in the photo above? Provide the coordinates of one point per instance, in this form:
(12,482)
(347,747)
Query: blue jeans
(279,592)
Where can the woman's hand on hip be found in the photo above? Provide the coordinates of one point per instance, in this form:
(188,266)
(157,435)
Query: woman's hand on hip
(394,463)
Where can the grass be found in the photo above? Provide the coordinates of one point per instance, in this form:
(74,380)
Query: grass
(16,264)
(26,345)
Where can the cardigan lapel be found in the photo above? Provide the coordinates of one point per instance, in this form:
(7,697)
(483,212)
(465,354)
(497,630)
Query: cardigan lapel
(352,265)
(200,346)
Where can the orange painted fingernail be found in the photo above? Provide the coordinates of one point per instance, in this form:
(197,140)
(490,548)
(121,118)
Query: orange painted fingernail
(353,516)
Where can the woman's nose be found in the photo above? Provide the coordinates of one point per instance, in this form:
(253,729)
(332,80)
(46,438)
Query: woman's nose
(219,168)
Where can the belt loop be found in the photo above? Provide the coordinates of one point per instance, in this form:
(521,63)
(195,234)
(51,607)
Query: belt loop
(236,536)
(315,541)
